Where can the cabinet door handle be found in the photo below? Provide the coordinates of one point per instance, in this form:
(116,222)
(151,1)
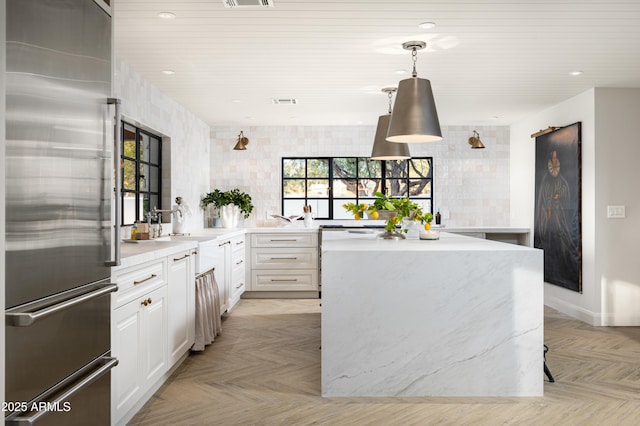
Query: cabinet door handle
(284,258)
(239,242)
(283,241)
(147,302)
(286,280)
(146,279)
(180,258)
(226,242)
(239,285)
(239,262)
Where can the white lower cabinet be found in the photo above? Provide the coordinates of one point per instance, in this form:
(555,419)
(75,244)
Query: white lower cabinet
(284,262)
(238,270)
(140,344)
(152,327)
(230,271)
(181,296)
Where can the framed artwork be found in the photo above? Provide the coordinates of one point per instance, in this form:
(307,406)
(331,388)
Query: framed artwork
(558,204)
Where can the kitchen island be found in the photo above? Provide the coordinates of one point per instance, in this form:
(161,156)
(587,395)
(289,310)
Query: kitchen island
(458,316)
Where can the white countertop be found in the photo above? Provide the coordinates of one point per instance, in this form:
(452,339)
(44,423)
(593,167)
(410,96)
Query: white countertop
(136,253)
(355,241)
(457,317)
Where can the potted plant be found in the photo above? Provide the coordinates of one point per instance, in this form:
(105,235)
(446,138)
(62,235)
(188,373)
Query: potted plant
(229,204)
(393,211)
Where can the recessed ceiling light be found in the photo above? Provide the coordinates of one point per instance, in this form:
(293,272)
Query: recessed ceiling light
(236,101)
(427,25)
(168,72)
(166,15)
(575,73)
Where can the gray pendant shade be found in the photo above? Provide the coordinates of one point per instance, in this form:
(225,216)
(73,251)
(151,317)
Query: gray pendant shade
(414,118)
(384,150)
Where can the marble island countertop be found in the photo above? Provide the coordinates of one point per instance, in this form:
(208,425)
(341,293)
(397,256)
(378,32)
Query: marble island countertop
(366,240)
(457,317)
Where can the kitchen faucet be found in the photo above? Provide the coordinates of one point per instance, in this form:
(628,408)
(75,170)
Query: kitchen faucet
(156,214)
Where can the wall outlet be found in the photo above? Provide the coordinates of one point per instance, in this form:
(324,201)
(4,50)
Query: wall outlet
(616,212)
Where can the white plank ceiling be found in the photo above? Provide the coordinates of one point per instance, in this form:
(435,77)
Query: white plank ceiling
(490,62)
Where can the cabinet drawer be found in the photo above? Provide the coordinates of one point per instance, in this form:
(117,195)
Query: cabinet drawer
(284,258)
(284,280)
(308,239)
(237,247)
(137,280)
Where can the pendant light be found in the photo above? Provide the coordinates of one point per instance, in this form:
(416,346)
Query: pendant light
(414,118)
(475,141)
(382,149)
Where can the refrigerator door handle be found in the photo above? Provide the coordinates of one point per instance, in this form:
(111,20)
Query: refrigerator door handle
(118,181)
(107,364)
(25,319)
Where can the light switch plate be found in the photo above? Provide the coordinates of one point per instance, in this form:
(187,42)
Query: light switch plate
(615,212)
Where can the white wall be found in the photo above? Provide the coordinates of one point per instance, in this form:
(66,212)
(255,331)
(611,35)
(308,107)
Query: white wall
(617,172)
(186,143)
(611,281)
(472,186)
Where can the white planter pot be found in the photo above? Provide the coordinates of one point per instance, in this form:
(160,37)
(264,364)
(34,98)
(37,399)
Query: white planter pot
(230,216)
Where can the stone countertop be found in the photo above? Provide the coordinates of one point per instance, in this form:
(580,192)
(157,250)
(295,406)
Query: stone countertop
(139,252)
(454,317)
(366,240)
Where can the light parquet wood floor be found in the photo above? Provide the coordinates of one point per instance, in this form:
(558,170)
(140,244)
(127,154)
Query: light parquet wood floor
(265,370)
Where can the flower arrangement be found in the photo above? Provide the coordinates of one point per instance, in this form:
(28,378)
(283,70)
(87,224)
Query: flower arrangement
(400,208)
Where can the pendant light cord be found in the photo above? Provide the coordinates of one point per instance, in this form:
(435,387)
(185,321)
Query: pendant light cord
(390,96)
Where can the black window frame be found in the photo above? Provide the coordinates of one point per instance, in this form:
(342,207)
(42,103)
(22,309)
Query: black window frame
(139,162)
(331,199)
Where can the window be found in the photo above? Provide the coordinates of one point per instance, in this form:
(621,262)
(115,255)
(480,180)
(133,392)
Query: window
(141,173)
(326,183)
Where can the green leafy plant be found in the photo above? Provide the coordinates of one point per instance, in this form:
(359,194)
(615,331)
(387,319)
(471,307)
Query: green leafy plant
(235,196)
(403,208)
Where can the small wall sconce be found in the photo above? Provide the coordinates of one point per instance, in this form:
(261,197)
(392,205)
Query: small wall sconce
(475,141)
(242,143)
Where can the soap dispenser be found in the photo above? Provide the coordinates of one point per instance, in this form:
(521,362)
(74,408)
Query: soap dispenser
(438,217)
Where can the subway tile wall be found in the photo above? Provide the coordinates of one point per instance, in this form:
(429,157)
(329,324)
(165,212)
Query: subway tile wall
(471,185)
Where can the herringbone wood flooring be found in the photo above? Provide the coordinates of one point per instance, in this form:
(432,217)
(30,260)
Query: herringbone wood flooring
(265,370)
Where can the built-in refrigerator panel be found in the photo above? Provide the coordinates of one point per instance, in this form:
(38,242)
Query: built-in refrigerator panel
(58,147)
(59,166)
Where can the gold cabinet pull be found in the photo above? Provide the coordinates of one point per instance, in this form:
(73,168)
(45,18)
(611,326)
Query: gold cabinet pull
(180,258)
(146,279)
(147,302)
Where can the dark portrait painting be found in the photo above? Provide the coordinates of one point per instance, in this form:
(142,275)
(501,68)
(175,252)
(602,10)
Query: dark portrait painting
(557,223)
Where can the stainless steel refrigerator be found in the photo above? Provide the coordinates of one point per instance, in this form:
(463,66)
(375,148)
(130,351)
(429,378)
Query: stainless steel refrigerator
(59,231)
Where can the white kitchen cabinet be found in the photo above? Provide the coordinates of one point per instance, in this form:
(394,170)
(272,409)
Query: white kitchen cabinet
(230,272)
(152,324)
(181,305)
(238,270)
(284,262)
(223,272)
(139,330)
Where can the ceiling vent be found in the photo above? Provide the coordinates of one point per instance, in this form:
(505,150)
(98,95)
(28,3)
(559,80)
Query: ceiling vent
(247,3)
(283,101)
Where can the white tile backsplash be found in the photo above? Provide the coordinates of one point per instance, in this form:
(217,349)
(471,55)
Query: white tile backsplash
(186,139)
(472,185)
